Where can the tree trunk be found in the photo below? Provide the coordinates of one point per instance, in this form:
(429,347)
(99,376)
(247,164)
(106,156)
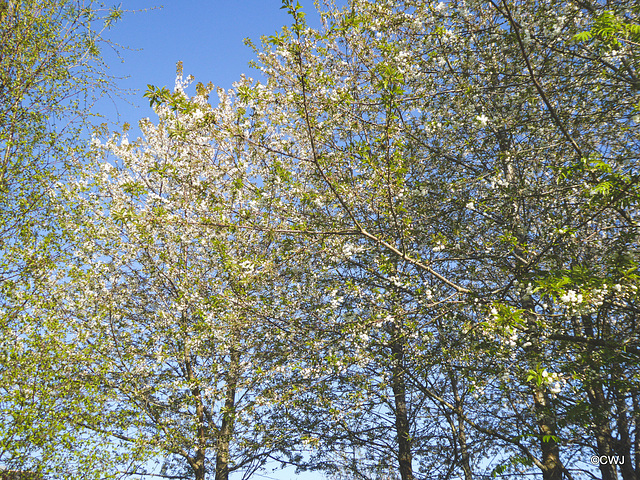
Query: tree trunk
(228,417)
(546,419)
(600,412)
(401,413)
(624,444)
(197,463)
(461,437)
(547,425)
(602,431)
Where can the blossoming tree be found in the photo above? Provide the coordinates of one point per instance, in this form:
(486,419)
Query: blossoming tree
(450,191)
(172,300)
(51,73)
(461,158)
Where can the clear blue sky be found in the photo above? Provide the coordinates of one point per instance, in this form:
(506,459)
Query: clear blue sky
(207,36)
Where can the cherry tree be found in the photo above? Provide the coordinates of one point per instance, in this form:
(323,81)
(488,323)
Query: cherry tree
(166,298)
(479,158)
(446,196)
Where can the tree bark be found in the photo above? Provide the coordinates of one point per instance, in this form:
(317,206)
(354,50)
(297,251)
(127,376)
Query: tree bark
(547,426)
(460,433)
(228,417)
(197,463)
(624,444)
(401,413)
(602,430)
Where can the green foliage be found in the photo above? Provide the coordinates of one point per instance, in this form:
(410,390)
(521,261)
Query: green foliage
(50,76)
(512,464)
(416,241)
(610,31)
(160,96)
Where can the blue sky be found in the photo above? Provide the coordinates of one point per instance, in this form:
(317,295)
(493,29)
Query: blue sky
(207,36)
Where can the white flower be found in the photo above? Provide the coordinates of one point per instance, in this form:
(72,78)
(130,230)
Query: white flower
(350,250)
(482,120)
(556,387)
(247,266)
(571,297)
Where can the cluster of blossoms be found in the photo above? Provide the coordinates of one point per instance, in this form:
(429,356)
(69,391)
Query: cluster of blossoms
(572,298)
(350,250)
(589,300)
(202,202)
(553,381)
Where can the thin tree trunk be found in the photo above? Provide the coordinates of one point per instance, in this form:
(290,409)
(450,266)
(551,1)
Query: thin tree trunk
(546,419)
(636,432)
(401,412)
(197,463)
(600,413)
(547,425)
(228,417)
(623,447)
(602,430)
(635,416)
(460,433)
